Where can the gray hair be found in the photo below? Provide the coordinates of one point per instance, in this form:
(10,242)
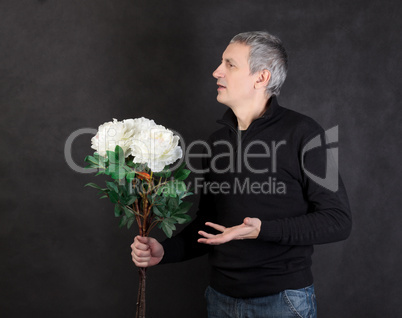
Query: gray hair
(266,53)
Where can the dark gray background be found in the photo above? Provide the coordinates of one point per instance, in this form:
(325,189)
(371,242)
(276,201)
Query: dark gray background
(70,64)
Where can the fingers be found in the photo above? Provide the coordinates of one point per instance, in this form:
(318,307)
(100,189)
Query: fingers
(141,252)
(203,241)
(211,239)
(207,237)
(217,240)
(142,239)
(205,234)
(218,227)
(140,261)
(140,243)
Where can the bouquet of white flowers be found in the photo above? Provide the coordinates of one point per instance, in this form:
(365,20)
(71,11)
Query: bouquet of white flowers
(136,154)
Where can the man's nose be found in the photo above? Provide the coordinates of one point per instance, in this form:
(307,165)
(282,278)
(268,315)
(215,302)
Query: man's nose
(218,73)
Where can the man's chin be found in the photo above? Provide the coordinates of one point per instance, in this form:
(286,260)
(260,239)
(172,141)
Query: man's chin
(222,101)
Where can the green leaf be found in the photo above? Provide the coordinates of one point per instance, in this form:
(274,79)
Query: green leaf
(167,229)
(93,185)
(130,222)
(180,187)
(114,197)
(157,212)
(131,199)
(158,200)
(112,168)
(119,155)
(101,171)
(184,207)
(123,190)
(91,166)
(130,163)
(185,194)
(96,161)
(182,174)
(182,218)
(118,211)
(130,175)
(111,156)
(128,212)
(181,167)
(91,160)
(123,221)
(103,197)
(172,188)
(164,190)
(112,186)
(119,174)
(106,191)
(173,204)
(127,168)
(100,158)
(171,223)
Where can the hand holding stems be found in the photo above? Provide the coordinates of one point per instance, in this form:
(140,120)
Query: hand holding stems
(146,251)
(249,229)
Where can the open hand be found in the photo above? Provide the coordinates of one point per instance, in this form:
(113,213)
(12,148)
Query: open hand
(249,229)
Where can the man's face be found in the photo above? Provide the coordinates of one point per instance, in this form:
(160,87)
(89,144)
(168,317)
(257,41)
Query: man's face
(235,84)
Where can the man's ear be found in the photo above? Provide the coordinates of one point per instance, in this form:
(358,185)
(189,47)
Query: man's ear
(263,79)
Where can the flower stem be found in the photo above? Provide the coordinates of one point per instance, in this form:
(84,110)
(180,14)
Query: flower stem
(141,293)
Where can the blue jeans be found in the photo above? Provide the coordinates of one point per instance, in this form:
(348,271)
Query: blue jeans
(291,303)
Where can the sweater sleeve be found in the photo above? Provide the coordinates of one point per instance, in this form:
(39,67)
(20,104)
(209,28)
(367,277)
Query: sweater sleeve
(184,246)
(328,218)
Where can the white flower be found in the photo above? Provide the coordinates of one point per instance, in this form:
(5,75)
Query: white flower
(138,124)
(142,138)
(114,133)
(155,146)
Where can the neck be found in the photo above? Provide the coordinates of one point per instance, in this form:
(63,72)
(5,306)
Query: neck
(246,114)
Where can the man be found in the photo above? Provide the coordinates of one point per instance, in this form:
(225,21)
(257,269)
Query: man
(270,209)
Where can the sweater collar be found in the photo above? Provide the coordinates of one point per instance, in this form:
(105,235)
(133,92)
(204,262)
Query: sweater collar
(229,118)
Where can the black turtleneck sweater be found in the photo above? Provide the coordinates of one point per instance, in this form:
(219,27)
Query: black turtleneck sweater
(261,172)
